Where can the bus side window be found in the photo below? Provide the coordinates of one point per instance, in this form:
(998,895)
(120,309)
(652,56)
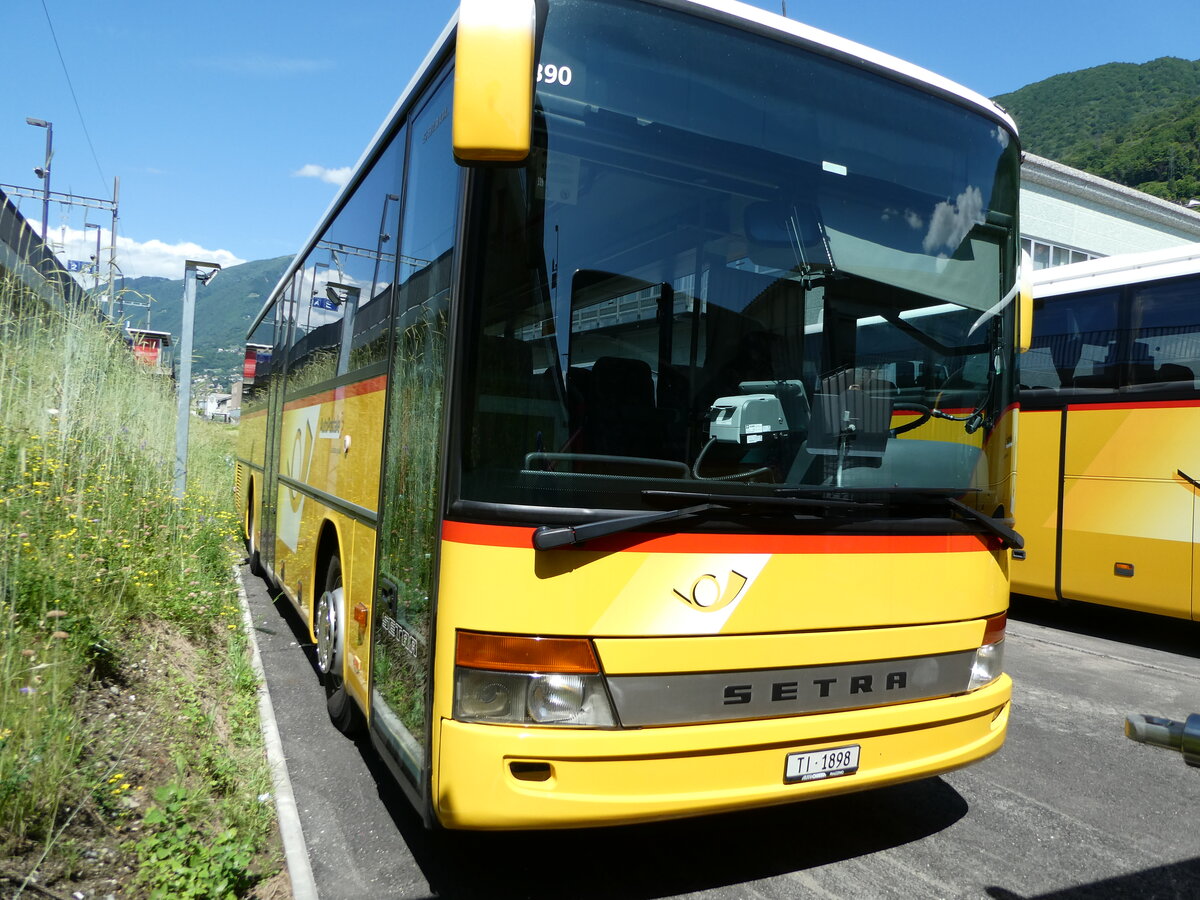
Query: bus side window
(1073,344)
(1166,331)
(258,363)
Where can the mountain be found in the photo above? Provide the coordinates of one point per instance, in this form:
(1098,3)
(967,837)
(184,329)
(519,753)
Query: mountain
(224,309)
(1135,124)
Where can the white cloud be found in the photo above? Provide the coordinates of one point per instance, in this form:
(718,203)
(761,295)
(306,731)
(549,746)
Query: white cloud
(155,257)
(134,258)
(951,221)
(332,176)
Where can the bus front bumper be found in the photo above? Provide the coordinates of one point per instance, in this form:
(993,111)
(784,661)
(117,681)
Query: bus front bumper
(509,777)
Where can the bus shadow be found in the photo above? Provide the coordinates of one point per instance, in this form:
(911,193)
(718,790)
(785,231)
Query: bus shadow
(678,857)
(1173,881)
(291,618)
(1153,632)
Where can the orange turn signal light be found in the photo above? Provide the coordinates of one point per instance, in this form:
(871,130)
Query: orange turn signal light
(993,629)
(520,653)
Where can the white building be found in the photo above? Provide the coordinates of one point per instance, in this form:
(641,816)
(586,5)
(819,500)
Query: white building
(216,406)
(1068,216)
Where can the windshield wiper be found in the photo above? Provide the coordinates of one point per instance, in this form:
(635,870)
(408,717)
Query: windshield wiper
(547,537)
(1008,537)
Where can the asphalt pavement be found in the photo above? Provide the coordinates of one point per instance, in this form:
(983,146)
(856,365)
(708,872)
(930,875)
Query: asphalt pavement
(1069,809)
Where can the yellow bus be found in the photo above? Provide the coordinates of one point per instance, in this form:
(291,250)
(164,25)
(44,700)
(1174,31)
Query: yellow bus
(1110,422)
(651,456)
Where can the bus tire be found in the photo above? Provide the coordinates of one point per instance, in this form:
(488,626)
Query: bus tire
(330,634)
(252,556)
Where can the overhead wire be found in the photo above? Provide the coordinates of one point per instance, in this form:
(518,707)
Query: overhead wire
(78,109)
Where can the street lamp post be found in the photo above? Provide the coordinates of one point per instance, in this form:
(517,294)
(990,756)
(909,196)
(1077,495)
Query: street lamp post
(184,385)
(43,172)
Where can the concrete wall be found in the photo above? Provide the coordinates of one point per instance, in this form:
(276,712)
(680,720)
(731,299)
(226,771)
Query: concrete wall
(1070,208)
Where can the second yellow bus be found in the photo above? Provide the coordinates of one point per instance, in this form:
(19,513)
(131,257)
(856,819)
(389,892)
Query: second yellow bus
(1110,426)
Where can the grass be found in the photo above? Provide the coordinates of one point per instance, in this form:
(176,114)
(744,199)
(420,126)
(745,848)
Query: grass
(127,702)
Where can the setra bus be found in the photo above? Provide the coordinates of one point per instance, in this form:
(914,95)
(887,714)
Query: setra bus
(634,433)
(1109,427)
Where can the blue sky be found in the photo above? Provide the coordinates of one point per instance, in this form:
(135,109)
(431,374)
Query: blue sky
(221,118)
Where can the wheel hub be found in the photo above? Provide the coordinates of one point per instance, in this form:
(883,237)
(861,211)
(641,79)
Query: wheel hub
(326,631)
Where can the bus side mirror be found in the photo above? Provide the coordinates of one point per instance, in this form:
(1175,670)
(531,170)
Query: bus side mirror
(1025,303)
(493,81)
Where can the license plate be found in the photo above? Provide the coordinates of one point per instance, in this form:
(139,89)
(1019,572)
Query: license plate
(818,764)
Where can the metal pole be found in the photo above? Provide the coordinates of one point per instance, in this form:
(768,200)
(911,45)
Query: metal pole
(349,304)
(46,185)
(95,261)
(112,249)
(49,126)
(184,386)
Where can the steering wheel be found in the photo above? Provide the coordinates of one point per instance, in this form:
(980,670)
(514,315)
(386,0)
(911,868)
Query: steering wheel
(925,414)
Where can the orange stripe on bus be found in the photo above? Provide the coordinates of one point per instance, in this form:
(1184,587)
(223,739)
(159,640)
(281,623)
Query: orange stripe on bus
(522,537)
(340,393)
(1135,404)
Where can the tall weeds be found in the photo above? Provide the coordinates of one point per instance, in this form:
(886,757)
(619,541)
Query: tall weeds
(96,555)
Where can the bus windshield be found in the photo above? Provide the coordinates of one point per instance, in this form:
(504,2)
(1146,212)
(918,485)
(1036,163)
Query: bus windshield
(785,272)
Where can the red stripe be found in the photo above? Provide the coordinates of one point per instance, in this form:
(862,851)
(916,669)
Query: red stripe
(954,411)
(340,393)
(950,411)
(522,537)
(1144,404)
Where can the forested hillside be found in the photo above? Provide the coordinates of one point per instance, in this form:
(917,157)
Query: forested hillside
(223,310)
(1138,125)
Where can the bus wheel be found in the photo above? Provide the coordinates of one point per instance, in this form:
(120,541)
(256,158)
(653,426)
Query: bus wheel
(255,561)
(343,711)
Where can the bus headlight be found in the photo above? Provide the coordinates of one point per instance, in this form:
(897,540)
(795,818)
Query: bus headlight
(989,658)
(527,680)
(988,665)
(555,698)
(483,695)
(530,698)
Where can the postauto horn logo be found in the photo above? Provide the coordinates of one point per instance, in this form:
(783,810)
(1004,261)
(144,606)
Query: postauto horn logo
(707,593)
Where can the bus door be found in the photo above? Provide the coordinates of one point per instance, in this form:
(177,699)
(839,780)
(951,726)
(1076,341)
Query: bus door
(402,638)
(410,519)
(1195,608)
(1035,568)
(1195,489)
(270,487)
(1127,519)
